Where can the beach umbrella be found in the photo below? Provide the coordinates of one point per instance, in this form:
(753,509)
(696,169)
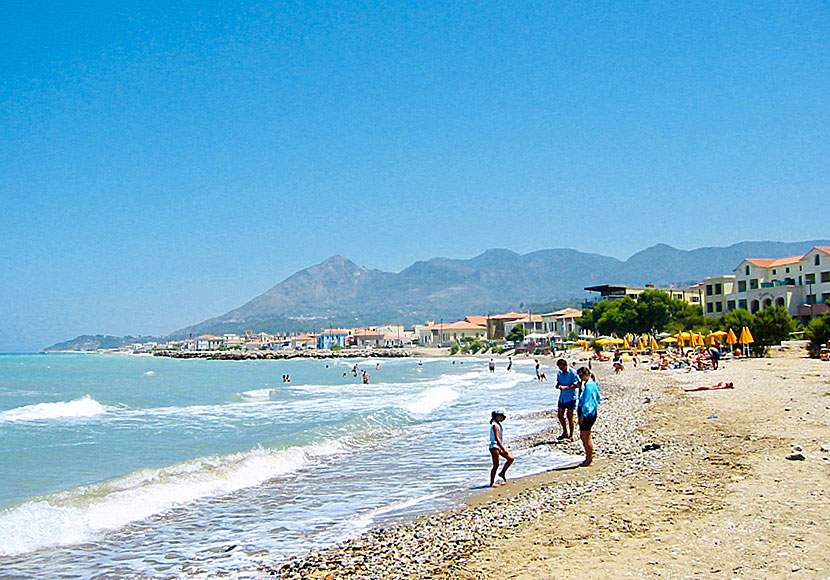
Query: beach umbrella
(718,333)
(641,344)
(699,339)
(746,339)
(626,345)
(668,340)
(654,345)
(731,338)
(616,341)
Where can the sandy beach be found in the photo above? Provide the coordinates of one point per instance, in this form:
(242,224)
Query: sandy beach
(714,484)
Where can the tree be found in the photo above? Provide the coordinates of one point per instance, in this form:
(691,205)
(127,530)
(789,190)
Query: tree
(517,334)
(736,320)
(653,311)
(771,326)
(818,332)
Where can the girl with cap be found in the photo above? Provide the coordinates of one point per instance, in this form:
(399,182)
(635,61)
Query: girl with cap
(497,448)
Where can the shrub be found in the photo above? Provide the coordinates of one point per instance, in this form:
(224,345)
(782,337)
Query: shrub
(454,349)
(818,332)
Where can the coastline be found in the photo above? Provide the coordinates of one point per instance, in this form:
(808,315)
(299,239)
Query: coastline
(717,497)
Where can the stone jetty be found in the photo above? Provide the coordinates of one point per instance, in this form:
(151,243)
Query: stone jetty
(283,354)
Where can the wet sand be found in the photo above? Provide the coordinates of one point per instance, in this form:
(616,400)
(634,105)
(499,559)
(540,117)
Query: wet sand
(717,498)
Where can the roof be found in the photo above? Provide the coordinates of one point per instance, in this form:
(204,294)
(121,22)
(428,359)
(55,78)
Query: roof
(509,316)
(531,318)
(459,325)
(771,263)
(210,337)
(481,320)
(331,331)
(825,249)
(566,313)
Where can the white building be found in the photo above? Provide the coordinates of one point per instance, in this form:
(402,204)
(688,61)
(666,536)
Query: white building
(801,284)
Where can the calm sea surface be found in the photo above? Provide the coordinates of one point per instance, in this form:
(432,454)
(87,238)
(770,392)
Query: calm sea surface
(140,467)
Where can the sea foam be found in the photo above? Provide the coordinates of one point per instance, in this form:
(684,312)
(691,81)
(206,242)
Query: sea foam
(82,514)
(84,407)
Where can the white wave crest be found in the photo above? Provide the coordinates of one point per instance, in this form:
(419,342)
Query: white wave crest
(82,514)
(431,399)
(258,394)
(84,407)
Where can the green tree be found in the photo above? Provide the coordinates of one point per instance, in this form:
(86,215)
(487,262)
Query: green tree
(736,320)
(517,334)
(770,327)
(653,312)
(818,332)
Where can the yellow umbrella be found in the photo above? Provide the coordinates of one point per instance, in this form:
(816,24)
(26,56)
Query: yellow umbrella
(616,341)
(626,345)
(700,340)
(641,344)
(654,345)
(718,333)
(668,340)
(746,336)
(731,338)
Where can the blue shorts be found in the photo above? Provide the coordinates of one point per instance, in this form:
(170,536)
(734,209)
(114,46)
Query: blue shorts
(586,421)
(570,405)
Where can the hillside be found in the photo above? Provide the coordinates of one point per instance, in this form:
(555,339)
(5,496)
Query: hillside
(340,292)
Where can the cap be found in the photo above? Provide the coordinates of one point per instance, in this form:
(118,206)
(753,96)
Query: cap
(500,411)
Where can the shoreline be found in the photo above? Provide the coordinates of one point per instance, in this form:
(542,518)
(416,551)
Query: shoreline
(439,544)
(714,499)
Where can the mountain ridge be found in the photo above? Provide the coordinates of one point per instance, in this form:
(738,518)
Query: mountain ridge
(337,291)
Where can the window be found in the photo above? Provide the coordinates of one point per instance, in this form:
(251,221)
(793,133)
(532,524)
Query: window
(730,305)
(825,276)
(746,270)
(817,261)
(788,270)
(718,306)
(708,289)
(825,297)
(753,284)
(774,272)
(809,278)
(709,307)
(742,304)
(742,286)
(811,298)
(718,288)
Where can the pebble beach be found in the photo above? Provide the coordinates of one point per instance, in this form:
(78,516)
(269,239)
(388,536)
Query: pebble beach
(675,475)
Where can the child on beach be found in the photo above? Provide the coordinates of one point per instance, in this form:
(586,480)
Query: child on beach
(587,411)
(497,448)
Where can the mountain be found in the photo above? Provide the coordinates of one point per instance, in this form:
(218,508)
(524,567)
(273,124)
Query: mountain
(339,292)
(92,343)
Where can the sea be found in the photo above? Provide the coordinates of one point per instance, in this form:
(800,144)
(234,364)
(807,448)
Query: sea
(120,466)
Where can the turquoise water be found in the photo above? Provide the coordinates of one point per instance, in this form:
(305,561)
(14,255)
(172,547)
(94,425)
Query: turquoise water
(123,466)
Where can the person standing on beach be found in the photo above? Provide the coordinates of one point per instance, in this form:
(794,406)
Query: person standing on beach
(587,411)
(497,448)
(567,382)
(492,366)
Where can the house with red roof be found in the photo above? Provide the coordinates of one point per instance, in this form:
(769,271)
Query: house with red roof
(801,284)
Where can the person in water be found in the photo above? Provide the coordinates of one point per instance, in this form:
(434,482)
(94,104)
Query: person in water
(497,448)
(365,378)
(510,363)
(492,366)
(587,411)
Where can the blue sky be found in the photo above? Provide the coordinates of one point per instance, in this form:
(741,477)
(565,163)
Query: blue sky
(164,162)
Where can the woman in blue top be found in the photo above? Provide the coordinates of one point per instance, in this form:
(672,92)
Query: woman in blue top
(587,411)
